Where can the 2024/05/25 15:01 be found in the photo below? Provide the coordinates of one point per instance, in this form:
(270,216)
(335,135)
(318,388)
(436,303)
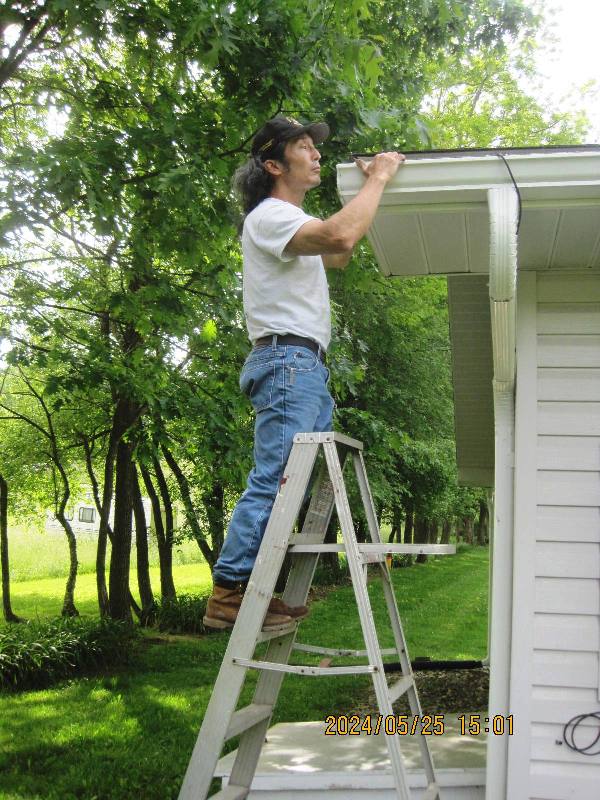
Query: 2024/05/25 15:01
(474,724)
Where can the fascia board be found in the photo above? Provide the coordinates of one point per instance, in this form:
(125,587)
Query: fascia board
(467,180)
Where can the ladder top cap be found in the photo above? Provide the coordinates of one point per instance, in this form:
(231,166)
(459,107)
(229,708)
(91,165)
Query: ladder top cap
(328,436)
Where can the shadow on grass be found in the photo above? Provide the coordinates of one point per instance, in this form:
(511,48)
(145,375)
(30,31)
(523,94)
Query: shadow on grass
(124,737)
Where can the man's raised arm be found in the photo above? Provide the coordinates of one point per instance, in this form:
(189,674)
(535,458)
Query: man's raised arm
(335,237)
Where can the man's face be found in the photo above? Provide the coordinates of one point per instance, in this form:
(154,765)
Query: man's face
(303,171)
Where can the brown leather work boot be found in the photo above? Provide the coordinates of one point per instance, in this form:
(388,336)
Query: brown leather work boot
(223,607)
(277,606)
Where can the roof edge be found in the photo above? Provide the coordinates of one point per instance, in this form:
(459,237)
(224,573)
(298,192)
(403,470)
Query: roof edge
(478,173)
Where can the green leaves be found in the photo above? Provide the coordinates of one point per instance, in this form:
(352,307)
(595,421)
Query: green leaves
(209,331)
(35,655)
(131,292)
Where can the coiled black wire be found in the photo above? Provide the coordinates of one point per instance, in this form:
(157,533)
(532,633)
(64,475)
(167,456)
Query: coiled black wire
(569,734)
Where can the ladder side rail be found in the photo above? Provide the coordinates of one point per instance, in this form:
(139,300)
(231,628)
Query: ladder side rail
(242,641)
(400,642)
(390,598)
(394,614)
(315,526)
(366,616)
(367,497)
(296,592)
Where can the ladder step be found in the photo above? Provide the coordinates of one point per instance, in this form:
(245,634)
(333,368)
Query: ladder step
(328,436)
(339,651)
(305,538)
(246,718)
(303,669)
(231,793)
(266,636)
(400,687)
(374,549)
(431,793)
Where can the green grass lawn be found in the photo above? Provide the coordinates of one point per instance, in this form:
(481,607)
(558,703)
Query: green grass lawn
(42,598)
(36,553)
(39,564)
(129,734)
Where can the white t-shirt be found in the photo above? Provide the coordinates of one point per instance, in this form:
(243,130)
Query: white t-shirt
(282,293)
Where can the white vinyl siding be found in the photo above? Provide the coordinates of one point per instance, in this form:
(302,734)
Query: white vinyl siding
(566,623)
(472,375)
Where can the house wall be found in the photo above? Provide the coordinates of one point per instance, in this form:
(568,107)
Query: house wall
(555,640)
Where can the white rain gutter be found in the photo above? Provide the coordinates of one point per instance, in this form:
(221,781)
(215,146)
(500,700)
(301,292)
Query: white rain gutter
(503,208)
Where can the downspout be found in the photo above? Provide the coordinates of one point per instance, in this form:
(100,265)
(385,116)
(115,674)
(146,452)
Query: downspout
(503,207)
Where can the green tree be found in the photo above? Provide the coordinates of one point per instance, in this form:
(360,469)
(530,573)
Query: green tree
(486,98)
(51,450)
(134,251)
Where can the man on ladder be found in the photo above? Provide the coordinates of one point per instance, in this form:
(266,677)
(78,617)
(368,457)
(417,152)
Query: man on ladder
(286,305)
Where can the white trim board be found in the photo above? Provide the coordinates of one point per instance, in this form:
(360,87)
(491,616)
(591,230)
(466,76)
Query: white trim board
(524,543)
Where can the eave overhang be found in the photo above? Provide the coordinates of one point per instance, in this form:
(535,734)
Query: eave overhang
(457,215)
(438,208)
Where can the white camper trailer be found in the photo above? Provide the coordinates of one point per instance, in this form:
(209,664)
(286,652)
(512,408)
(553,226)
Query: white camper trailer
(84,518)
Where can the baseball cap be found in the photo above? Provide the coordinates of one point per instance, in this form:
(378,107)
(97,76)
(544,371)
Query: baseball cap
(280,129)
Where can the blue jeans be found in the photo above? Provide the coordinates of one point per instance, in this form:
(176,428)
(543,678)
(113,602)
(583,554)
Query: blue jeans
(287,386)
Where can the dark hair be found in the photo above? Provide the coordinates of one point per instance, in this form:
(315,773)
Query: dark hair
(252,182)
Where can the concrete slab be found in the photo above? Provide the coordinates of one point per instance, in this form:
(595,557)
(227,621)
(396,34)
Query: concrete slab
(299,760)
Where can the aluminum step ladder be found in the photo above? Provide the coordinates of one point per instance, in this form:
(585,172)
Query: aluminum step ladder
(222,721)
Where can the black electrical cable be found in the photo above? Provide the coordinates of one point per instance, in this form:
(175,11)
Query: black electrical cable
(569,734)
(428,665)
(512,177)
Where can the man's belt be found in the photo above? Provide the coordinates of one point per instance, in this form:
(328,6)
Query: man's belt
(289,338)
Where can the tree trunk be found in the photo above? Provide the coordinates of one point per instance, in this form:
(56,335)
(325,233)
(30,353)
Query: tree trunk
(160,533)
(9,615)
(482,529)
(167,559)
(332,560)
(120,556)
(213,500)
(420,535)
(433,531)
(61,500)
(141,547)
(408,526)
(69,609)
(468,529)
(362,530)
(105,533)
(103,509)
(190,512)
(396,532)
(446,531)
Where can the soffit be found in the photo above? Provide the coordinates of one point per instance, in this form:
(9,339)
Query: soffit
(433,218)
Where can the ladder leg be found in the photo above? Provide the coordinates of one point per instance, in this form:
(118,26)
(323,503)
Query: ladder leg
(244,635)
(366,617)
(393,612)
(296,592)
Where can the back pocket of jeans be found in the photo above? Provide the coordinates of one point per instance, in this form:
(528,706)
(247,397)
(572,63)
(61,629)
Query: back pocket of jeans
(257,383)
(305,360)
